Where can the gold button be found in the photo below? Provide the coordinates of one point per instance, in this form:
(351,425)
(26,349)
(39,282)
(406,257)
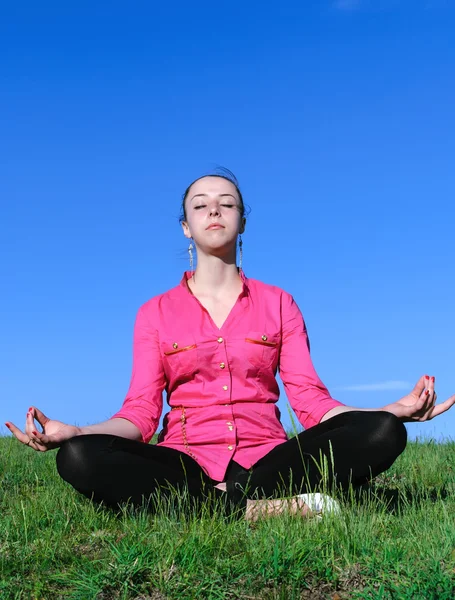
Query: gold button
(228,423)
(222,365)
(219,340)
(230,447)
(264,338)
(230,428)
(175,345)
(225,387)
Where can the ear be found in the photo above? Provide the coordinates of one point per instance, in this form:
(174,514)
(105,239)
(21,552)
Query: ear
(242,226)
(186,230)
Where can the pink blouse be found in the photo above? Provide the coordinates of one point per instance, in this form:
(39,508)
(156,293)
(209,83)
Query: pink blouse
(220,383)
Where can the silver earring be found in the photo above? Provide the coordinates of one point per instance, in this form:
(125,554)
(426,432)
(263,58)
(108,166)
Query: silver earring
(190,252)
(240,252)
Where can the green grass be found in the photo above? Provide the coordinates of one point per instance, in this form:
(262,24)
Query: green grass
(395,541)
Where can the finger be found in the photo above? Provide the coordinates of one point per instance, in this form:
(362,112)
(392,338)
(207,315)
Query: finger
(432,395)
(421,404)
(24,438)
(42,448)
(40,438)
(420,386)
(430,400)
(40,417)
(430,413)
(34,445)
(416,410)
(30,424)
(443,407)
(18,434)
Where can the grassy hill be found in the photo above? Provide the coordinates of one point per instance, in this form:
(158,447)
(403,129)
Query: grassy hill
(395,540)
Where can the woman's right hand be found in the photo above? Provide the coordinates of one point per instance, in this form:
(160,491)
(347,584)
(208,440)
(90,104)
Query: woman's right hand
(53,435)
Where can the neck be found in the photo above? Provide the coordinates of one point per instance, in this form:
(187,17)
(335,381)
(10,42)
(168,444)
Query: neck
(214,275)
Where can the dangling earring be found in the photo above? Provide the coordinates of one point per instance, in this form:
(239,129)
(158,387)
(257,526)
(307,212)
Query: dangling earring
(190,252)
(240,252)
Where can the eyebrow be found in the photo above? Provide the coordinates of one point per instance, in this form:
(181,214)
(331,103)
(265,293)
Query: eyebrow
(205,195)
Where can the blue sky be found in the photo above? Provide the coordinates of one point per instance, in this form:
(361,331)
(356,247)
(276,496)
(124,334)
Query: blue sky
(336,117)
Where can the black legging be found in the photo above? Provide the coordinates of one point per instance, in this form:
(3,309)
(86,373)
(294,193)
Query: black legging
(358,445)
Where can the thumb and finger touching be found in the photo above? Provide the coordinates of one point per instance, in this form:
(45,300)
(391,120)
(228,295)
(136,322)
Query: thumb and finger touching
(31,437)
(430,409)
(425,403)
(419,404)
(40,417)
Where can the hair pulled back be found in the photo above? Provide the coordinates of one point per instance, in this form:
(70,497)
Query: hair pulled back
(223,173)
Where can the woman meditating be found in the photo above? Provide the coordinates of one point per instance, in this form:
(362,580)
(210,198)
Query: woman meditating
(214,343)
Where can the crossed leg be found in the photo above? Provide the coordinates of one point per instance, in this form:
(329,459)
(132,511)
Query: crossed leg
(357,446)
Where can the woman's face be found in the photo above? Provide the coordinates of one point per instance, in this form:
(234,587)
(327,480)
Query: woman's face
(213,200)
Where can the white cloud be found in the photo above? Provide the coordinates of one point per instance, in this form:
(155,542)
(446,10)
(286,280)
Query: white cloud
(377,387)
(346,4)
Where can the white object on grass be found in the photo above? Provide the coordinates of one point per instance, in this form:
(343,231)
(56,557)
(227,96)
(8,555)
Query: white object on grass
(320,503)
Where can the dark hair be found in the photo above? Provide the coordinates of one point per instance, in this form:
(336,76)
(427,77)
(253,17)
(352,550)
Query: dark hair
(223,173)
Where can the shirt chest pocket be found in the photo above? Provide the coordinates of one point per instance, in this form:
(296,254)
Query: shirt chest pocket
(180,355)
(261,348)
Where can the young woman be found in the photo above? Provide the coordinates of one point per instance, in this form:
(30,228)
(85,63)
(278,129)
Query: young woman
(214,343)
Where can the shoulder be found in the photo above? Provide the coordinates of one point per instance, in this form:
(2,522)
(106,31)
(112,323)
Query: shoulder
(268,289)
(156,303)
(275,296)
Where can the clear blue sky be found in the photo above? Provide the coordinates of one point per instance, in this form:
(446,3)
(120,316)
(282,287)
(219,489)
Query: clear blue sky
(336,117)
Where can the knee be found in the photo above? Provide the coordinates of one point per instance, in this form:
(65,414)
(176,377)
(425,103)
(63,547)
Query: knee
(73,461)
(390,433)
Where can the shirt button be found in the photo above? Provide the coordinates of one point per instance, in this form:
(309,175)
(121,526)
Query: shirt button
(222,365)
(175,345)
(225,387)
(230,428)
(219,340)
(264,338)
(228,423)
(230,447)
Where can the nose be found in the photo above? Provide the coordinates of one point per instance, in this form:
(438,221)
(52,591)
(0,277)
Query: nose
(214,210)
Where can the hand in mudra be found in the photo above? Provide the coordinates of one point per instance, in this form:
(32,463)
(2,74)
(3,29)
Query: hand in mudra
(420,405)
(53,435)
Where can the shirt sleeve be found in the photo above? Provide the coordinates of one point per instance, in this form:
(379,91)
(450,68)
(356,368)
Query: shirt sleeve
(144,400)
(307,395)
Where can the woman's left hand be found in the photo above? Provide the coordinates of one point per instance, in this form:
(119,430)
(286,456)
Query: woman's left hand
(420,405)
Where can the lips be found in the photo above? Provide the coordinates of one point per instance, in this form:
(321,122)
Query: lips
(215,226)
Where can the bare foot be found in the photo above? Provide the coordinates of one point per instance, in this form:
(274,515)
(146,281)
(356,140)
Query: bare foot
(256,509)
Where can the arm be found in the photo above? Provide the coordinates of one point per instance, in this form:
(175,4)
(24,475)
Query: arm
(120,427)
(342,409)
(311,400)
(306,393)
(137,419)
(54,433)
(143,404)
(417,406)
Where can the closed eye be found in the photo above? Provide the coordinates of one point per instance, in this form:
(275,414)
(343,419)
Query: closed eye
(203,206)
